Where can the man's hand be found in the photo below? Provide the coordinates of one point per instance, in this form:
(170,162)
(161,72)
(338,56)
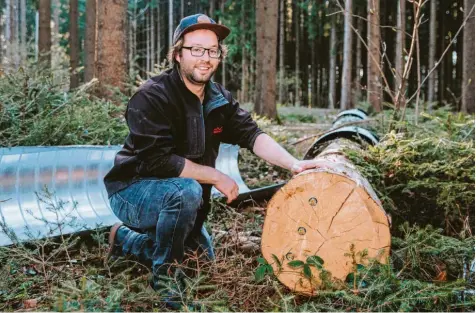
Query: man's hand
(227,186)
(303,165)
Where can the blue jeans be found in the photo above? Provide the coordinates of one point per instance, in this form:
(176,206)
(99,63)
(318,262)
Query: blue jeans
(164,212)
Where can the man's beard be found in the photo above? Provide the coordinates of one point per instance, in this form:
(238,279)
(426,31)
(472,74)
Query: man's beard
(196,78)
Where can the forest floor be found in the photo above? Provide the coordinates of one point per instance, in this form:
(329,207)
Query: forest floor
(69,273)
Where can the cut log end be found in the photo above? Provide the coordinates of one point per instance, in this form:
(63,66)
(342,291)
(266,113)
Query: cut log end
(325,214)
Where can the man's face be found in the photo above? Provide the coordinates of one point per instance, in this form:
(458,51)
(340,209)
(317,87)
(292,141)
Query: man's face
(198,70)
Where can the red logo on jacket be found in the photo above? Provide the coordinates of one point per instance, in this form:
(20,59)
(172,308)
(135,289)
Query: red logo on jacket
(217,130)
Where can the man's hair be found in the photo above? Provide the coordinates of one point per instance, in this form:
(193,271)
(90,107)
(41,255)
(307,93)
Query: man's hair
(175,49)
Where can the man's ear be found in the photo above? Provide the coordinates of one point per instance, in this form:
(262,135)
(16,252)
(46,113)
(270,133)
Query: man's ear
(177,57)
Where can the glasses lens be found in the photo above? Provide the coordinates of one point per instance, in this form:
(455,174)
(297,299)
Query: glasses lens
(197,51)
(214,53)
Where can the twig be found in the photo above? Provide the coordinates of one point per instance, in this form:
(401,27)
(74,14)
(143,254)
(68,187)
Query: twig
(442,55)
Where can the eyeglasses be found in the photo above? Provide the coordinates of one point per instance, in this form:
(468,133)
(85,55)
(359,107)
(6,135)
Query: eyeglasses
(214,53)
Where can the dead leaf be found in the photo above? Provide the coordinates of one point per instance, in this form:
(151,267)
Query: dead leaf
(30,303)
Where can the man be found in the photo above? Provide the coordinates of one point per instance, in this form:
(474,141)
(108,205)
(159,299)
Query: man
(162,178)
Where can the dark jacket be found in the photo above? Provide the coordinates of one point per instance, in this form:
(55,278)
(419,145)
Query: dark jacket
(168,124)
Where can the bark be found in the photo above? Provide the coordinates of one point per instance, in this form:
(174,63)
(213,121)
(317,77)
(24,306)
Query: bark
(111,61)
(431,52)
(357,94)
(44,39)
(223,64)
(24,41)
(159,33)
(1,40)
(304,59)
(171,21)
(56,58)
(7,31)
(399,51)
(266,43)
(374,83)
(282,38)
(211,11)
(346,90)
(73,43)
(182,9)
(314,83)
(16,38)
(148,42)
(297,95)
(332,64)
(152,39)
(90,41)
(468,61)
(244,58)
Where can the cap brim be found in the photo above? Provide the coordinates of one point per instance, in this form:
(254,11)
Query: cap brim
(221,31)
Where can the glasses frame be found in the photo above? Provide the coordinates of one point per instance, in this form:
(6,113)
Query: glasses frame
(204,49)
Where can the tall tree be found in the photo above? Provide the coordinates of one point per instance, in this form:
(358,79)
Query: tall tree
(73,43)
(16,31)
(374,85)
(24,40)
(159,33)
(346,90)
(266,44)
(297,28)
(171,21)
(357,94)
(44,40)
(244,56)
(223,63)
(90,41)
(152,39)
(282,39)
(432,51)
(332,63)
(399,51)
(55,37)
(468,59)
(111,43)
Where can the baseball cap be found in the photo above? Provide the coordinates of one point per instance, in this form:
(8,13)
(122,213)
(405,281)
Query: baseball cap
(199,21)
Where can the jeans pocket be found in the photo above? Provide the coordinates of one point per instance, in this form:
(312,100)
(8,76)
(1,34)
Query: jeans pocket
(125,211)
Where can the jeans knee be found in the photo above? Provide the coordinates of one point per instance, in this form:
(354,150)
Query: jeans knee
(191,192)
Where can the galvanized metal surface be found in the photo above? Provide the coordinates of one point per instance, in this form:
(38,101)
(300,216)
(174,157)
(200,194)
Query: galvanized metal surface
(75,175)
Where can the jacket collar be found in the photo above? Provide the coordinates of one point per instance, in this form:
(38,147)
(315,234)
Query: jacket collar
(213,97)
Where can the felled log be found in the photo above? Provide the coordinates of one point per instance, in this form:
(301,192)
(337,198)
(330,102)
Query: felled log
(329,218)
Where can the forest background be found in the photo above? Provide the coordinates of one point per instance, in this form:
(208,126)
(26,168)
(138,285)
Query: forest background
(68,69)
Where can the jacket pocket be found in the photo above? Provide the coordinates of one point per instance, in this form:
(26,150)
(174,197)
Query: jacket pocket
(195,140)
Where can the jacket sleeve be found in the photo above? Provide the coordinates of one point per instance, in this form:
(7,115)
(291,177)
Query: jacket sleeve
(151,134)
(240,129)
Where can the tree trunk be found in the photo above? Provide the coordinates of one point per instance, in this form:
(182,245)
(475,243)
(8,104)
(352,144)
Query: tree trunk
(468,60)
(346,90)
(16,24)
(7,32)
(399,52)
(374,84)
(24,40)
(432,51)
(211,11)
(153,40)
(182,9)
(304,59)
(111,62)
(314,82)
(244,57)
(266,43)
(148,42)
(223,63)
(297,94)
(159,34)
(44,40)
(357,93)
(282,38)
(73,43)
(90,41)
(332,64)
(55,37)
(171,22)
